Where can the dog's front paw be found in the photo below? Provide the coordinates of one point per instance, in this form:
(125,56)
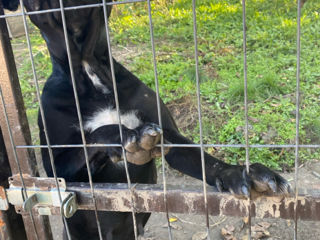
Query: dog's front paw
(234,180)
(141,145)
(261,179)
(265,180)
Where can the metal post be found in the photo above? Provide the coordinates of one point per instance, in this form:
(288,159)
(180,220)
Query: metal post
(296,162)
(11,225)
(245,79)
(11,93)
(204,182)
(163,163)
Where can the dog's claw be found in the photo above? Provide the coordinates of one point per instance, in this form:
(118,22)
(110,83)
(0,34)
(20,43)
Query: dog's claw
(245,191)
(272,185)
(219,185)
(149,136)
(131,144)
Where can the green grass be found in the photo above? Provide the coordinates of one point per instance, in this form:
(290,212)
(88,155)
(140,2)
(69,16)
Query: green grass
(271,58)
(43,69)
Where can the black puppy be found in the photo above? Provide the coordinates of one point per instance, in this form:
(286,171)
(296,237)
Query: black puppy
(91,65)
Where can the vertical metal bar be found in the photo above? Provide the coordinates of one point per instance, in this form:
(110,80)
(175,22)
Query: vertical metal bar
(17,162)
(9,83)
(79,116)
(204,181)
(164,180)
(116,98)
(296,162)
(15,129)
(244,26)
(11,224)
(41,111)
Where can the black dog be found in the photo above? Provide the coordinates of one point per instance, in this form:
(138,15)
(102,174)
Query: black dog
(139,120)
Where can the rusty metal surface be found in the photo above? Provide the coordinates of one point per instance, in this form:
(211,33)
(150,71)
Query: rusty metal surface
(149,198)
(10,86)
(4,205)
(11,224)
(4,230)
(42,195)
(44,184)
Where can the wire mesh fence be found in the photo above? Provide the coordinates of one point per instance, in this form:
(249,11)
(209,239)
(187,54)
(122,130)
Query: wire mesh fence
(103,6)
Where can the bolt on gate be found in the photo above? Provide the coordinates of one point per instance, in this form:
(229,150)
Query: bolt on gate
(35,198)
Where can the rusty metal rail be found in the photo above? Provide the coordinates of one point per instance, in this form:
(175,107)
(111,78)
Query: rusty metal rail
(149,198)
(187,199)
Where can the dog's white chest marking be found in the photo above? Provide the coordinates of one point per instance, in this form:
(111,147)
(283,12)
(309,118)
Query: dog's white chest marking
(109,116)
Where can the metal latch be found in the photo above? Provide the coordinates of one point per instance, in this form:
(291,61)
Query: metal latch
(41,195)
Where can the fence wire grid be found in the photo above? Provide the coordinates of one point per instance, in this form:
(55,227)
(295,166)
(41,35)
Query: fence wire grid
(103,4)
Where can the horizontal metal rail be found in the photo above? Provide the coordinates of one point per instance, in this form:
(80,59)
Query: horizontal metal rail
(189,200)
(175,145)
(69,8)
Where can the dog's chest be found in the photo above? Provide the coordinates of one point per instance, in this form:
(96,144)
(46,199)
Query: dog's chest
(109,116)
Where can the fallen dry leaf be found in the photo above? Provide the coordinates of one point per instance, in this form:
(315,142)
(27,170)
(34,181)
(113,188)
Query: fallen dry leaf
(173,219)
(260,230)
(230,228)
(245,220)
(275,104)
(176,227)
(255,120)
(199,236)
(227,232)
(259,235)
(245,237)
(147,238)
(288,223)
(266,225)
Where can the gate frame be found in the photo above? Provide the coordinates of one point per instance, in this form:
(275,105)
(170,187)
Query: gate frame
(18,122)
(14,119)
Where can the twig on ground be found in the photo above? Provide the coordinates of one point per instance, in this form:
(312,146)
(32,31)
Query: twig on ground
(193,223)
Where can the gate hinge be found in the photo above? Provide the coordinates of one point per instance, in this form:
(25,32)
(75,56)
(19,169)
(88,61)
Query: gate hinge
(40,195)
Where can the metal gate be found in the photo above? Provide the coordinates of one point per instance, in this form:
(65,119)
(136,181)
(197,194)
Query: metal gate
(35,198)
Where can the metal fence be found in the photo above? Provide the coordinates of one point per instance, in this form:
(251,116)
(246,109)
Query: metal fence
(90,196)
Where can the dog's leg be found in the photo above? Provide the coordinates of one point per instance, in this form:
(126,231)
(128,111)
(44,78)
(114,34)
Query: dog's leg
(96,70)
(139,145)
(222,175)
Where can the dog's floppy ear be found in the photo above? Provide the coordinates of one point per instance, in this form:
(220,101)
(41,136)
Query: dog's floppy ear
(11,5)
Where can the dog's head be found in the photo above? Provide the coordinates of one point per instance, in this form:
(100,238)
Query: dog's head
(77,23)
